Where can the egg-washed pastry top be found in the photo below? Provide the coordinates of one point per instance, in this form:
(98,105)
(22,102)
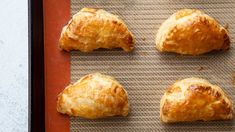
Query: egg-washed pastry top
(91,29)
(94,96)
(195,99)
(191,32)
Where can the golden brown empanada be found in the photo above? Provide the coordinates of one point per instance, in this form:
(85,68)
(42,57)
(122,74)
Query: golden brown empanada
(195,99)
(94,96)
(191,32)
(92,29)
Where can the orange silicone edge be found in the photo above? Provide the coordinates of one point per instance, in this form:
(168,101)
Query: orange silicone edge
(56,13)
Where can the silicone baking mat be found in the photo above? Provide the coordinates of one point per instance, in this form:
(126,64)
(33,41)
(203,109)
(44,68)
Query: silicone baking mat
(145,72)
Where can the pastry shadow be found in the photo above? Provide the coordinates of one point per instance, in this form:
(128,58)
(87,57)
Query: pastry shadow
(103,51)
(103,122)
(211,53)
(211,59)
(200,125)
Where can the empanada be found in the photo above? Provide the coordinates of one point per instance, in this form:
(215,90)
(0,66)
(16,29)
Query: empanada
(195,99)
(191,32)
(92,29)
(94,96)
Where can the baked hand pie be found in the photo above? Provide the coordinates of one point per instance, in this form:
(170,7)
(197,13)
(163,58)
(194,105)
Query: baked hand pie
(94,96)
(191,32)
(92,29)
(195,99)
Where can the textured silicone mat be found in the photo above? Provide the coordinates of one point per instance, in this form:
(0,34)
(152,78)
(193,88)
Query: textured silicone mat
(146,73)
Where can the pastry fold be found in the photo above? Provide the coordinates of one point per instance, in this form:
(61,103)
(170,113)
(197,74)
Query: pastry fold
(191,32)
(91,29)
(94,96)
(195,99)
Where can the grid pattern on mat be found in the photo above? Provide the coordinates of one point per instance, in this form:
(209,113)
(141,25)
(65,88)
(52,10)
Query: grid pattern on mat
(146,73)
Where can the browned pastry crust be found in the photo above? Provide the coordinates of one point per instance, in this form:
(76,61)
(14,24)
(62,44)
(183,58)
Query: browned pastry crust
(195,99)
(92,29)
(94,96)
(191,32)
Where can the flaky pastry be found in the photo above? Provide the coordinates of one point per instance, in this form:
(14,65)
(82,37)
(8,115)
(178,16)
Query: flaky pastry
(92,29)
(195,99)
(94,96)
(191,32)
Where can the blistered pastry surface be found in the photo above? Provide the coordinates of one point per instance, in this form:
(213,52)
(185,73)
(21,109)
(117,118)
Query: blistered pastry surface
(146,73)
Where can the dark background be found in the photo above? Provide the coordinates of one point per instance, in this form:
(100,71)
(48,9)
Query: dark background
(36,70)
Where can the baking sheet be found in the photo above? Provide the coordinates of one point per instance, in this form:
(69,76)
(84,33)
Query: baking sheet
(146,73)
